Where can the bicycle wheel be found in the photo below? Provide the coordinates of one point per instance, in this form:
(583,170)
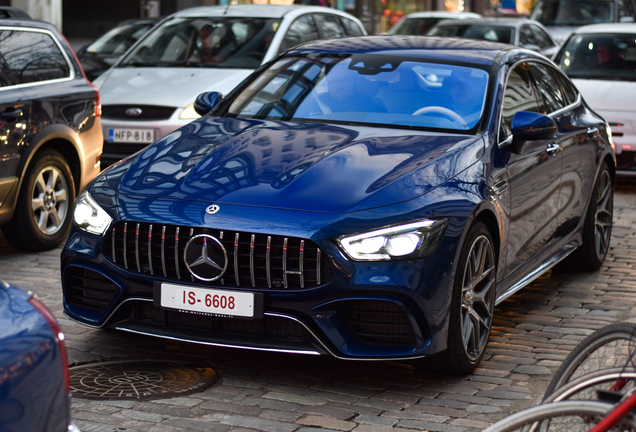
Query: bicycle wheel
(609,347)
(584,387)
(568,416)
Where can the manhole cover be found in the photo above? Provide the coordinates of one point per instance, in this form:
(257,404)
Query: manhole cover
(139,380)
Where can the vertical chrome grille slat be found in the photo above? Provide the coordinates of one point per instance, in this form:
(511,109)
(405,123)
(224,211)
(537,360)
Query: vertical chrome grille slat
(150,250)
(300,258)
(137,249)
(125,241)
(221,238)
(236,268)
(113,244)
(191,234)
(252,261)
(285,263)
(318,257)
(163,251)
(176,253)
(267,262)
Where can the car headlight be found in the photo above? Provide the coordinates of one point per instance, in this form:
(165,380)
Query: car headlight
(412,240)
(89,216)
(189,112)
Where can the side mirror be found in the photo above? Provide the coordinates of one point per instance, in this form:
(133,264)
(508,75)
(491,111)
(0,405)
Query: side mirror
(531,126)
(206,102)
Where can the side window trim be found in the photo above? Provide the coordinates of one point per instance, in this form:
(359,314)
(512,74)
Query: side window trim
(566,107)
(71,68)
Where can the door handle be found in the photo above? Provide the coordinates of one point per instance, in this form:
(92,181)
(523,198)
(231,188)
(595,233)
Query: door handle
(591,132)
(499,187)
(12,114)
(553,149)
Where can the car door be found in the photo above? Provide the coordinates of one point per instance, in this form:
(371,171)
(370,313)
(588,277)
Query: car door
(576,138)
(14,118)
(533,177)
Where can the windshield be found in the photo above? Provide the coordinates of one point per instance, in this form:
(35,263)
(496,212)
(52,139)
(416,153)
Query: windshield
(600,56)
(572,12)
(480,32)
(205,42)
(366,89)
(416,26)
(119,39)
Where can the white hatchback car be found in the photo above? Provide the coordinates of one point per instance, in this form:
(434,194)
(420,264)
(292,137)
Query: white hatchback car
(601,61)
(151,90)
(419,23)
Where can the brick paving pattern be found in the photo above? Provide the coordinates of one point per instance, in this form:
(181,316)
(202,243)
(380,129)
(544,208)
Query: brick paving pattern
(533,332)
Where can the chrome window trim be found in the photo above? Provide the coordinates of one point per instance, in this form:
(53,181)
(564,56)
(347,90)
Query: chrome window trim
(552,114)
(71,68)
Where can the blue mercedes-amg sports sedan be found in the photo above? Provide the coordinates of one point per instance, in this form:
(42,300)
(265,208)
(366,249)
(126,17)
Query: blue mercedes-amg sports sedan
(367,198)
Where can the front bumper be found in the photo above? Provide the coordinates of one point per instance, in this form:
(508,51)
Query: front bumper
(367,310)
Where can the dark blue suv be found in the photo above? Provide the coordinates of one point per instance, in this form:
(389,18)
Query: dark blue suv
(50,133)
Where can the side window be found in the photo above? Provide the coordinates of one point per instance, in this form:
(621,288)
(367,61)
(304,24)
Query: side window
(301,30)
(33,57)
(569,91)
(548,87)
(352,27)
(526,37)
(519,95)
(542,38)
(330,26)
(626,9)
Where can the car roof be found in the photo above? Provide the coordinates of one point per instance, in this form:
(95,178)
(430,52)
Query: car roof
(248,10)
(13,12)
(608,28)
(442,14)
(500,21)
(424,47)
(30,23)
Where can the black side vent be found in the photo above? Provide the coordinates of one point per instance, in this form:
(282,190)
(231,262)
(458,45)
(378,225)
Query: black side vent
(88,289)
(380,322)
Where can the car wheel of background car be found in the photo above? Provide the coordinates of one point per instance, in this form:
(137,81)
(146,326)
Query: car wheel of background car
(42,216)
(472,306)
(597,230)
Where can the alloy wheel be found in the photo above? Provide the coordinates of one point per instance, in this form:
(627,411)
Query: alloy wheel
(478,296)
(49,200)
(603,215)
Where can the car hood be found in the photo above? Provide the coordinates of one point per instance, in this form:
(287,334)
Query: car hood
(604,95)
(560,33)
(298,166)
(176,87)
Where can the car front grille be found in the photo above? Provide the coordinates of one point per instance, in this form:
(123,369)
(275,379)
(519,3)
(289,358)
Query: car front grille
(148,112)
(258,261)
(380,322)
(88,289)
(626,161)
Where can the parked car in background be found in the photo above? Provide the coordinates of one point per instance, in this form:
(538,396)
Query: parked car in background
(150,92)
(515,31)
(601,61)
(50,133)
(562,17)
(102,53)
(13,12)
(419,23)
(34,378)
(367,198)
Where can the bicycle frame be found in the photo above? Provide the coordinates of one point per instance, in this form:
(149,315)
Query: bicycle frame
(615,415)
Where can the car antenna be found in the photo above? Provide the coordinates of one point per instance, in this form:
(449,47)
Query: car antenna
(227,8)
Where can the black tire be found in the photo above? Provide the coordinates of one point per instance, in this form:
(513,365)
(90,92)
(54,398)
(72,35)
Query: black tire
(47,194)
(609,347)
(567,416)
(472,306)
(597,231)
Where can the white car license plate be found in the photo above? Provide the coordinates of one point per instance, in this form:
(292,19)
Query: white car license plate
(131,135)
(207,301)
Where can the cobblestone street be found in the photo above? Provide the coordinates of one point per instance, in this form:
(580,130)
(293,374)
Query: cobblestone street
(533,332)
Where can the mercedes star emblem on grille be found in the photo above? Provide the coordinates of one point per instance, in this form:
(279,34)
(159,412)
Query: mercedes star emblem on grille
(133,112)
(212,209)
(205,257)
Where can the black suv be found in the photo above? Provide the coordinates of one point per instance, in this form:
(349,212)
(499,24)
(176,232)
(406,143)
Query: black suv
(50,133)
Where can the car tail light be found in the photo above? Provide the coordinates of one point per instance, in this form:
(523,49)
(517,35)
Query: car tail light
(98,102)
(59,337)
